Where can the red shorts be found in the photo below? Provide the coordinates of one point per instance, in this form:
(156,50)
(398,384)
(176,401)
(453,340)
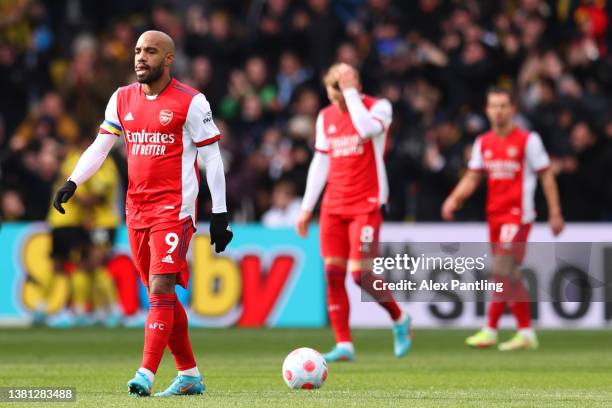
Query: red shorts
(161,250)
(509,239)
(353,237)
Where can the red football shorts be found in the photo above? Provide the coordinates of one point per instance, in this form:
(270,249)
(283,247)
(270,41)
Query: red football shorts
(509,239)
(161,250)
(353,237)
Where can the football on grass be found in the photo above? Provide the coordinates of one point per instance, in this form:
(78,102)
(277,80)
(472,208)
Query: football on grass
(304,368)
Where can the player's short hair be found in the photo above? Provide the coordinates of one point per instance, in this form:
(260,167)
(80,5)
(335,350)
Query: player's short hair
(330,77)
(499,90)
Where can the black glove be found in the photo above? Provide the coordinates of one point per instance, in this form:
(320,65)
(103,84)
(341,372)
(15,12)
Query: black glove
(63,194)
(220,232)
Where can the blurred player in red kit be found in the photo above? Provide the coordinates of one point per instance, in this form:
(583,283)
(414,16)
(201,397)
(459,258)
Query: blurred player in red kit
(512,159)
(351,134)
(165,124)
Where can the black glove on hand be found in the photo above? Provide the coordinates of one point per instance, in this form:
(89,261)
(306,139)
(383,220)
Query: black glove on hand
(63,195)
(220,232)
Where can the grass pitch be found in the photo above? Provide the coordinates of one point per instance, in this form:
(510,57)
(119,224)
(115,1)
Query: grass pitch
(242,368)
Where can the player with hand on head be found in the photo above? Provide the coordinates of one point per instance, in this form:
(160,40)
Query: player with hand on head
(165,124)
(351,134)
(512,159)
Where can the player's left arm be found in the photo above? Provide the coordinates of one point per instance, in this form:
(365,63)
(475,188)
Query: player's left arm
(538,160)
(92,158)
(368,123)
(205,135)
(316,179)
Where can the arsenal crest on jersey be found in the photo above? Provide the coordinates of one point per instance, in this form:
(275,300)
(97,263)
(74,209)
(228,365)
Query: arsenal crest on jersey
(512,151)
(165,116)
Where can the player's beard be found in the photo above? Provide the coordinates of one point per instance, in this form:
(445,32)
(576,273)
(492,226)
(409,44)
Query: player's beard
(154,74)
(503,124)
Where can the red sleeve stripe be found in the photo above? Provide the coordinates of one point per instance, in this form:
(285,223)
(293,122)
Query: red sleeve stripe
(543,169)
(379,121)
(321,151)
(208,141)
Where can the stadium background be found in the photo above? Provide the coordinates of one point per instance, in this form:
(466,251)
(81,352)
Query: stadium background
(260,64)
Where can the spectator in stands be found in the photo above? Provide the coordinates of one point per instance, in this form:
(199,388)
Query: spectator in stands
(12,207)
(48,120)
(285,207)
(291,74)
(582,177)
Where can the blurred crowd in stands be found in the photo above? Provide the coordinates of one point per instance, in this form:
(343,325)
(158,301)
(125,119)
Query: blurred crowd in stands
(260,64)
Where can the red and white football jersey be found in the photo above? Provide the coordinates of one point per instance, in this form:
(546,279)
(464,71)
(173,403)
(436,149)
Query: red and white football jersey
(357,179)
(511,164)
(162,134)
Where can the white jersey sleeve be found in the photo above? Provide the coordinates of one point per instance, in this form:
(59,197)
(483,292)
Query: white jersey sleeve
(199,123)
(315,181)
(383,112)
(368,123)
(476,161)
(215,176)
(321,143)
(111,122)
(92,158)
(536,156)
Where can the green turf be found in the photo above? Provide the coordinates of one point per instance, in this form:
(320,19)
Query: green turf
(242,369)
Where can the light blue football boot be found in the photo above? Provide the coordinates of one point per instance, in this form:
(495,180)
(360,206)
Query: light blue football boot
(63,320)
(184,385)
(402,337)
(140,385)
(339,354)
(112,320)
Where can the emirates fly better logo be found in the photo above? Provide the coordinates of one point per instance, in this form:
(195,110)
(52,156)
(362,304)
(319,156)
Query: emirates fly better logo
(165,116)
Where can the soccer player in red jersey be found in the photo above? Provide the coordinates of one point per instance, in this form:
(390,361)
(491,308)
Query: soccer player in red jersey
(512,159)
(350,141)
(165,124)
